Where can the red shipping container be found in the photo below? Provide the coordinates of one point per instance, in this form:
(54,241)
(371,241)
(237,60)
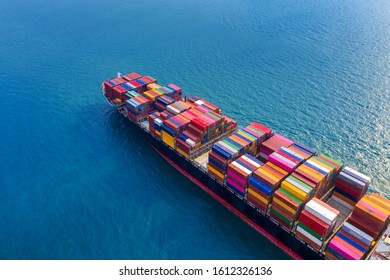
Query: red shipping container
(136,85)
(362,226)
(355,192)
(118,92)
(263,128)
(314,223)
(218,158)
(118,81)
(131,76)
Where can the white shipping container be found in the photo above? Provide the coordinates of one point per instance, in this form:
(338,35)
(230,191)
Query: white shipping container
(308,235)
(320,212)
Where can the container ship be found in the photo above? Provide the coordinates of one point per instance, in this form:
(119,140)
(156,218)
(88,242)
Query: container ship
(306,203)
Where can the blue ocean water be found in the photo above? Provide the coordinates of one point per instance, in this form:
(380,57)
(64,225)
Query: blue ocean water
(78,182)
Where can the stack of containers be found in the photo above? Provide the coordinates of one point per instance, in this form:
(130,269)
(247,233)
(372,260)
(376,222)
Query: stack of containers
(263,183)
(151,118)
(273,144)
(371,214)
(284,208)
(168,135)
(131,94)
(158,124)
(316,223)
(120,91)
(144,81)
(152,94)
(189,114)
(289,199)
(135,86)
(162,102)
(227,152)
(243,141)
(178,107)
(109,85)
(302,150)
(138,108)
(286,159)
(227,125)
(351,185)
(218,161)
(239,172)
(369,218)
(132,76)
(184,145)
(166,115)
(210,124)
(260,132)
(319,173)
(204,105)
(153,86)
(177,123)
(174,91)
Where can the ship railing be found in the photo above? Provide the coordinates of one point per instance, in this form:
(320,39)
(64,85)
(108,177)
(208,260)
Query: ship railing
(207,146)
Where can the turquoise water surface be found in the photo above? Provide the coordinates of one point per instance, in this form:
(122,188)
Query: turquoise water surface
(77,181)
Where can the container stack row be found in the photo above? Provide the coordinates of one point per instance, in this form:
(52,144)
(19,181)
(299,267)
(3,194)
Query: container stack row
(273,144)
(239,172)
(263,184)
(133,85)
(351,186)
(319,172)
(367,221)
(316,223)
(246,140)
(185,126)
(152,117)
(203,105)
(162,102)
(138,107)
(289,200)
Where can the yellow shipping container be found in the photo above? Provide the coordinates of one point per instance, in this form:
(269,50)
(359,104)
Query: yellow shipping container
(381,201)
(158,133)
(268,174)
(277,168)
(148,95)
(152,86)
(182,153)
(259,197)
(312,172)
(376,206)
(159,93)
(284,205)
(216,172)
(294,190)
(168,139)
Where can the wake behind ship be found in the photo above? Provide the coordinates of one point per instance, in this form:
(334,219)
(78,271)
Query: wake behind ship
(306,203)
